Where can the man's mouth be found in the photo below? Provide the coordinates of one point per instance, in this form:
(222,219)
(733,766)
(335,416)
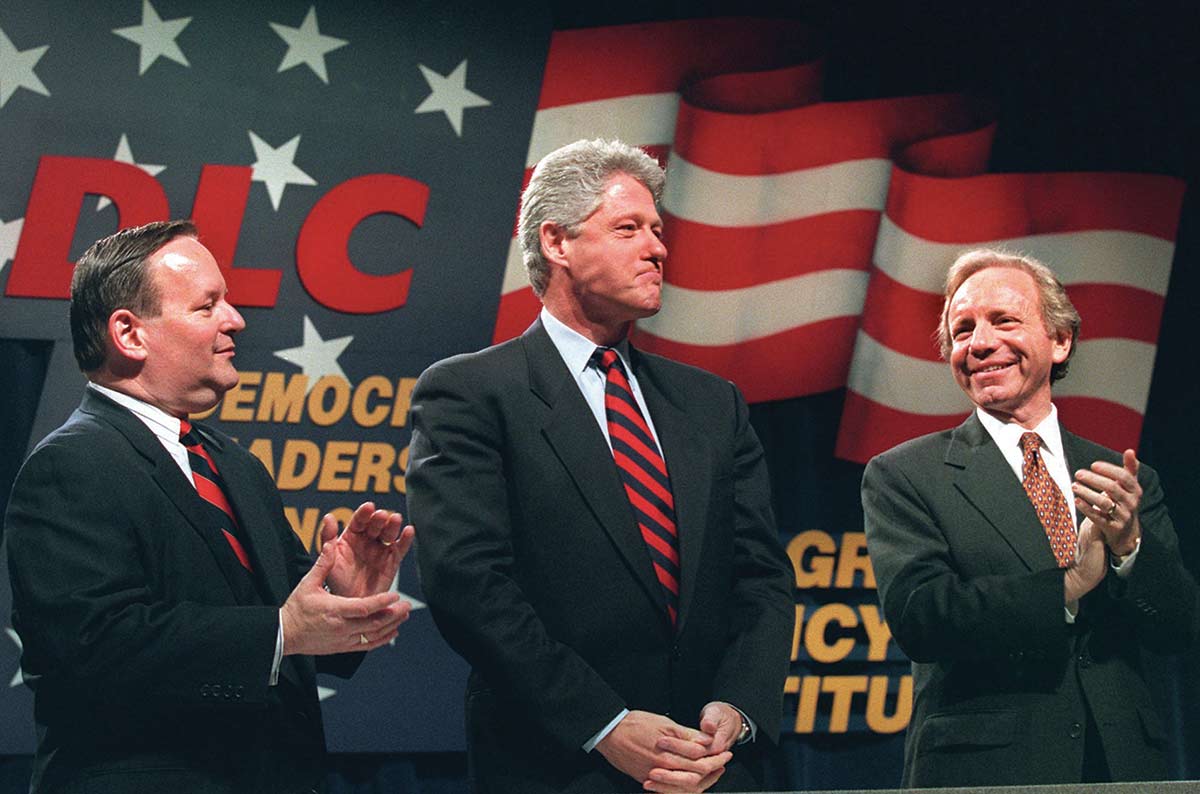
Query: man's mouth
(991,368)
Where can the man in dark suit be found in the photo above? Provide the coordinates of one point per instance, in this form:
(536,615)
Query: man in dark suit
(172,624)
(627,620)
(1022,568)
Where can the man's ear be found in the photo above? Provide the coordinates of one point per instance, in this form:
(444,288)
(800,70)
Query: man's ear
(127,335)
(554,243)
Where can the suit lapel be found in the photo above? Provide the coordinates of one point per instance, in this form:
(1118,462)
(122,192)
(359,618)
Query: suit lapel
(570,430)
(684,448)
(985,479)
(166,474)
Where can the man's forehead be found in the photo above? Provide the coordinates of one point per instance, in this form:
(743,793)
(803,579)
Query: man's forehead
(996,281)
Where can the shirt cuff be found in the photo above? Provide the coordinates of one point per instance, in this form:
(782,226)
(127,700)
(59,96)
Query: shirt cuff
(1124,565)
(591,743)
(274,678)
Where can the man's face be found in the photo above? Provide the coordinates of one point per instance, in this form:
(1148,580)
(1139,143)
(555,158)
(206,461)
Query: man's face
(1002,351)
(615,262)
(189,345)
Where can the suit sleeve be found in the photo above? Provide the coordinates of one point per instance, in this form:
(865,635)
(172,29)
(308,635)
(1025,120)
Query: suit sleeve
(934,612)
(752,672)
(1160,599)
(457,500)
(92,628)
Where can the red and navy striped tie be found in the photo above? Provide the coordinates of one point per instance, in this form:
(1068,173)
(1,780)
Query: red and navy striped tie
(209,486)
(643,473)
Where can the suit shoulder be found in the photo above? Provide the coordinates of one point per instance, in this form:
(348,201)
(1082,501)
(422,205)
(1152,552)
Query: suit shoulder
(930,447)
(686,375)
(496,357)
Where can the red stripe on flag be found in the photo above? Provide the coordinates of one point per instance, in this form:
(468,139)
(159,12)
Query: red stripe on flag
(902,318)
(808,359)
(815,135)
(600,63)
(1138,317)
(869,428)
(1000,206)
(704,257)
(1104,422)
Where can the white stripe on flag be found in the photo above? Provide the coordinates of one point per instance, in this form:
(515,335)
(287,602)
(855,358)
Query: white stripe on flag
(697,194)
(1084,257)
(726,317)
(1117,370)
(515,276)
(641,120)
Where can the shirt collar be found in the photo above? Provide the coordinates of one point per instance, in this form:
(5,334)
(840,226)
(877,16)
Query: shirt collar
(1007,435)
(162,424)
(575,348)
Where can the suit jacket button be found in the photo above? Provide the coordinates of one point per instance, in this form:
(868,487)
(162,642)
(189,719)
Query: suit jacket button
(1076,730)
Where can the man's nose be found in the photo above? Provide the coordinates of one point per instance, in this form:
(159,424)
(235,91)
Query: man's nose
(234,321)
(657,249)
(983,339)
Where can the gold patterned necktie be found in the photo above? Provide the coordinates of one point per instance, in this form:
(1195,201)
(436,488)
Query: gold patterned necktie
(1048,501)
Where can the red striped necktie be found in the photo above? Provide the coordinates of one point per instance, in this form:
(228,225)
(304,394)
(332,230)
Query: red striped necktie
(643,472)
(209,486)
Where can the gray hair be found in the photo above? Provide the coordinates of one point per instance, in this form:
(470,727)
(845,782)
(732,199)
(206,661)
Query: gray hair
(111,275)
(568,186)
(1058,313)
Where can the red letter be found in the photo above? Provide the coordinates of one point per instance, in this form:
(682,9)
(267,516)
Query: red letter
(218,210)
(41,267)
(322,262)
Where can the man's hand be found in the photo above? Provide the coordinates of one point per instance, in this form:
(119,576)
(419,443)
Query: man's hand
(369,552)
(316,622)
(661,754)
(1110,495)
(723,723)
(1090,564)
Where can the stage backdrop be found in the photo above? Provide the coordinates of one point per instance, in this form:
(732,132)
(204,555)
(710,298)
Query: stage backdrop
(356,168)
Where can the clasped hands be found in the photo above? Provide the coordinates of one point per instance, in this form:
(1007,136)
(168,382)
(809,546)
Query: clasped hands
(668,757)
(1109,496)
(344,602)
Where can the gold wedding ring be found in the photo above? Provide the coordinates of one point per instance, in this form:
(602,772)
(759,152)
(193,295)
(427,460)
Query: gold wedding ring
(362,639)
(386,542)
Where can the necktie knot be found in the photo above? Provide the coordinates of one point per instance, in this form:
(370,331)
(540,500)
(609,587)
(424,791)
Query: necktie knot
(605,358)
(186,436)
(1030,443)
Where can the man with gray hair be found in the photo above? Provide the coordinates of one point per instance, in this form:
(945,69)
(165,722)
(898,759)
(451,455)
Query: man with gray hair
(1023,569)
(599,539)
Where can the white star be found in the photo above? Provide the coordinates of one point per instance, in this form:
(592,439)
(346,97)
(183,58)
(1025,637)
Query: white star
(324,693)
(155,37)
(307,45)
(17,678)
(10,232)
(275,169)
(16,68)
(315,356)
(450,95)
(125,155)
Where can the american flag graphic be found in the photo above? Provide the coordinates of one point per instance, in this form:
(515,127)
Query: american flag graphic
(808,239)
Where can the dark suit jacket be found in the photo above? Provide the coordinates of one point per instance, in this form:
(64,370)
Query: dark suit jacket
(535,572)
(971,592)
(147,645)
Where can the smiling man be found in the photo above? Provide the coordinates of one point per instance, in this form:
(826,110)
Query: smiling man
(1023,569)
(172,624)
(601,545)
